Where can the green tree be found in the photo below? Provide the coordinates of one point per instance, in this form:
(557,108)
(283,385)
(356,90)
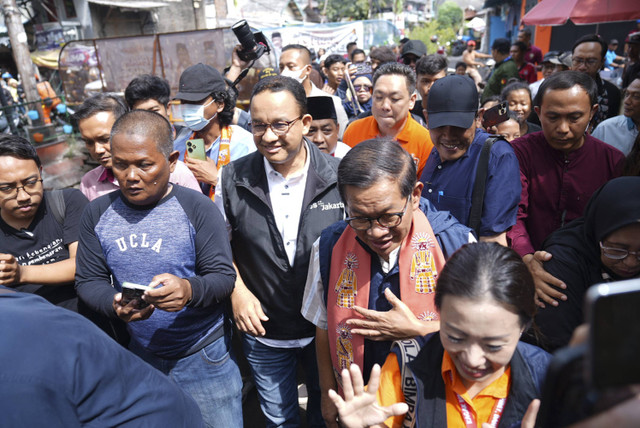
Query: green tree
(450,15)
(337,10)
(424,32)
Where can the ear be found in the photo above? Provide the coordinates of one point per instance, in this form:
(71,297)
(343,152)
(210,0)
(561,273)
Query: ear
(220,106)
(537,110)
(173,160)
(307,69)
(416,194)
(306,123)
(412,100)
(594,109)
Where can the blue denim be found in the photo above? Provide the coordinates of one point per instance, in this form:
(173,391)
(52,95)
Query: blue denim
(275,374)
(211,376)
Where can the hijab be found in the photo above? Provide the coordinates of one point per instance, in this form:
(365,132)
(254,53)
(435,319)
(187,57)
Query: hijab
(613,206)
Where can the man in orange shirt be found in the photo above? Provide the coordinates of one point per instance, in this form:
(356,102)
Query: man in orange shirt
(393,97)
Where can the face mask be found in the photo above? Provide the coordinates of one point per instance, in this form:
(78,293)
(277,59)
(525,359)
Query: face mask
(193,116)
(294,74)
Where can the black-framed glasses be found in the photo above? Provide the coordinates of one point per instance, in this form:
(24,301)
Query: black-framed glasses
(589,61)
(29,186)
(618,253)
(279,128)
(388,220)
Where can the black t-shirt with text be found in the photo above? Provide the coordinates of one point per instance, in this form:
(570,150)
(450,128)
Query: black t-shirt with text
(46,241)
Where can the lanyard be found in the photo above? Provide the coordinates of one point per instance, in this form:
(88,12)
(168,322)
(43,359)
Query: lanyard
(467,415)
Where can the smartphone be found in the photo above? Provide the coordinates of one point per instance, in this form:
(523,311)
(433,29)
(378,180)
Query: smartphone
(614,348)
(495,115)
(363,67)
(131,291)
(195,149)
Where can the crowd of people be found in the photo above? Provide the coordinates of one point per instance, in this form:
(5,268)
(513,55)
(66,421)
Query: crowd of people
(361,214)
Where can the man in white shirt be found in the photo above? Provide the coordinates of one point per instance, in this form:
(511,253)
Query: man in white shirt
(277,200)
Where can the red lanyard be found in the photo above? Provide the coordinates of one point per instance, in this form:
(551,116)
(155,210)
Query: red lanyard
(468,417)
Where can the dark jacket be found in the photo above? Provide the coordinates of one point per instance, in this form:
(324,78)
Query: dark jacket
(528,369)
(257,246)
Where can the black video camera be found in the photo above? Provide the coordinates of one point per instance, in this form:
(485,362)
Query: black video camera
(254,45)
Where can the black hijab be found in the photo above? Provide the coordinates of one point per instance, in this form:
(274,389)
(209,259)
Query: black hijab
(576,255)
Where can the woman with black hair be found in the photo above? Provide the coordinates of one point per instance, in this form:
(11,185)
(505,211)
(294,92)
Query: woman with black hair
(475,370)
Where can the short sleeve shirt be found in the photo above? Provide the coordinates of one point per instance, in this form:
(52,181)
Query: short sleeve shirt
(46,241)
(414,138)
(449,185)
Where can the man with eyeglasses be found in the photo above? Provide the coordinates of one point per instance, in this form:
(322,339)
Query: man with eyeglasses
(372,277)
(588,55)
(40,228)
(621,131)
(277,200)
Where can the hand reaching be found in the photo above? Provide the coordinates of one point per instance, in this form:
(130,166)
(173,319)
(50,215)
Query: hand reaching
(359,408)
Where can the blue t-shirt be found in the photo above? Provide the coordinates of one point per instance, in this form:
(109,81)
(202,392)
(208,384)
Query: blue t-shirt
(57,369)
(184,234)
(449,185)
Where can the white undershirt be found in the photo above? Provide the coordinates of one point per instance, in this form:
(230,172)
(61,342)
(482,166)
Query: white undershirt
(287,195)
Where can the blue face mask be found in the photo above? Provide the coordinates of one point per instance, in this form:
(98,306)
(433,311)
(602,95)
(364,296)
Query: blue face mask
(193,116)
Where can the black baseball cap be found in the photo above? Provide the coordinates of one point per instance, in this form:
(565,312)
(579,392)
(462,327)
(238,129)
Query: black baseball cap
(549,56)
(452,101)
(199,81)
(415,47)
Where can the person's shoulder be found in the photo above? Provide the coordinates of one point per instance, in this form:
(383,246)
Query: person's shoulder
(528,142)
(190,196)
(537,359)
(91,177)
(416,129)
(600,146)
(611,87)
(244,167)
(612,122)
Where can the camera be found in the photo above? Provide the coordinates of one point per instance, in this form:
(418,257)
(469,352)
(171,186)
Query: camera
(254,44)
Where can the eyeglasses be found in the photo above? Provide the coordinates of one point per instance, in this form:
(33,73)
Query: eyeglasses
(588,61)
(359,88)
(618,253)
(388,221)
(279,128)
(11,190)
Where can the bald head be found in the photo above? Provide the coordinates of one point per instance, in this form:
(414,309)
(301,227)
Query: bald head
(148,124)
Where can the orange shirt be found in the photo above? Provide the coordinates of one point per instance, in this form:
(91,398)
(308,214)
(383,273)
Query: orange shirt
(481,406)
(413,137)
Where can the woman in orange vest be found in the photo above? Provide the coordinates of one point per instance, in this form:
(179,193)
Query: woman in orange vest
(474,371)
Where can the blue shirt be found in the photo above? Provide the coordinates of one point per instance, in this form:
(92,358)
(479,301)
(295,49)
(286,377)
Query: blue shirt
(241,143)
(449,185)
(618,131)
(184,235)
(58,370)
(609,57)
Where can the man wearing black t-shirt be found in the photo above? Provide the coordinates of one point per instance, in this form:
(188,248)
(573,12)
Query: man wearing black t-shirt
(39,228)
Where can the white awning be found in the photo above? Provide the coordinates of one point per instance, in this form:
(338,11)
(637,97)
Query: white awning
(126,4)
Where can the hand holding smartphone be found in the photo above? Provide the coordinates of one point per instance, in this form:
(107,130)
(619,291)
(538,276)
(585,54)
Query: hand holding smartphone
(131,292)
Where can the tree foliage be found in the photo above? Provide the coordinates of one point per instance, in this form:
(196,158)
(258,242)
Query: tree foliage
(352,10)
(450,15)
(444,27)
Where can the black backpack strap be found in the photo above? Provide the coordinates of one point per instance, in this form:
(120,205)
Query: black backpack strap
(56,203)
(479,185)
(408,350)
